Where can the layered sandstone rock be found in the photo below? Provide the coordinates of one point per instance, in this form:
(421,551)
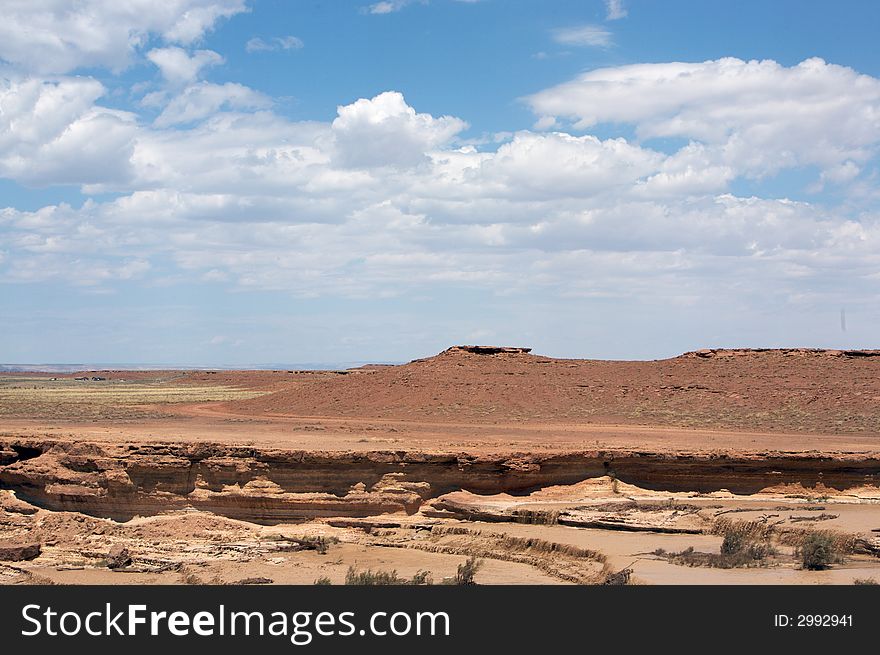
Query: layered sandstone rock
(273,485)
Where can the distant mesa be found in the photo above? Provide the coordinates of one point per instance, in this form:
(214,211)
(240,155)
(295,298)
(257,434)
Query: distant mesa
(705,353)
(458,351)
(490,350)
(710,353)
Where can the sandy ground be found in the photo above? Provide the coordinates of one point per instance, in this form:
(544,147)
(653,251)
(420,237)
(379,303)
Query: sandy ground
(207,424)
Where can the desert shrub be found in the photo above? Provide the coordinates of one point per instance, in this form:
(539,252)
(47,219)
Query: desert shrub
(745,543)
(323,581)
(740,533)
(817,551)
(372,578)
(463,576)
(865,581)
(759,550)
(618,578)
(734,542)
(736,555)
(842,543)
(384,578)
(467,571)
(421,578)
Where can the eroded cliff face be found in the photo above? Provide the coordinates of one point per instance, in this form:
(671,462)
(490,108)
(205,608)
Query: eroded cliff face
(273,485)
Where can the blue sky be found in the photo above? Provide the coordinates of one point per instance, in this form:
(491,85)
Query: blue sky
(243,182)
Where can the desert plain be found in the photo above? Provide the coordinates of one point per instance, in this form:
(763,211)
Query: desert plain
(714,467)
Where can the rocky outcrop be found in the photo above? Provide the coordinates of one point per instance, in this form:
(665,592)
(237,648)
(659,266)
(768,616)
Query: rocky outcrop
(273,485)
(7,456)
(490,350)
(19,552)
(118,557)
(9,503)
(459,351)
(581,517)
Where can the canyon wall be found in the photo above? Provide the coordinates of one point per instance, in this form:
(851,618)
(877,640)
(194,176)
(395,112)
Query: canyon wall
(275,485)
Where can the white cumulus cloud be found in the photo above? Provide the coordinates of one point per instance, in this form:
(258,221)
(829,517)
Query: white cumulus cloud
(757,116)
(385,131)
(59,36)
(51,132)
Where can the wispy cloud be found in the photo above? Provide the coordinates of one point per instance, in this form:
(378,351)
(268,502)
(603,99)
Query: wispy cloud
(615,10)
(387,6)
(391,6)
(258,44)
(583,35)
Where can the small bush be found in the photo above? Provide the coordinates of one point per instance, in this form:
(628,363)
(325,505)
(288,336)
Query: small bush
(464,576)
(619,578)
(734,542)
(817,551)
(323,581)
(372,578)
(738,534)
(759,551)
(467,571)
(421,578)
(865,581)
(736,555)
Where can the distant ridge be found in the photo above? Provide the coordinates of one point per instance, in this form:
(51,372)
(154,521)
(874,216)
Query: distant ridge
(72,368)
(708,353)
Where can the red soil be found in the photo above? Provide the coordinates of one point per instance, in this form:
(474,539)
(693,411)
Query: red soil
(795,390)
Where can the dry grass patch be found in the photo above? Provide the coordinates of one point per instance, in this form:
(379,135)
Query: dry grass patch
(746,544)
(111,399)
